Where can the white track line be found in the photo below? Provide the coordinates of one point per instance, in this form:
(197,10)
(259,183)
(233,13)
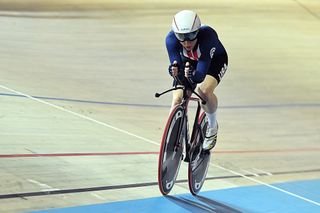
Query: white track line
(266,184)
(81,116)
(97,196)
(250,173)
(262,171)
(45,187)
(152,142)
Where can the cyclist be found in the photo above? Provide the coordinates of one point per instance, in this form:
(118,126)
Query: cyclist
(196,52)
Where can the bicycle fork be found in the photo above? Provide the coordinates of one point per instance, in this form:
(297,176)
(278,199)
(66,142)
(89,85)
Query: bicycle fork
(181,131)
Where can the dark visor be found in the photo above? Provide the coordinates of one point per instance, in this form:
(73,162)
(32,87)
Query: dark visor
(186,36)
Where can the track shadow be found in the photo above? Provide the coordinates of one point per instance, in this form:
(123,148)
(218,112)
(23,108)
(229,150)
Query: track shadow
(202,205)
(220,207)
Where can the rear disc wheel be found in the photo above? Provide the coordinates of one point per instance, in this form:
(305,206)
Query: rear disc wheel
(199,158)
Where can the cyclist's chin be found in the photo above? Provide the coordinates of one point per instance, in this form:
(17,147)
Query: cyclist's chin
(188,48)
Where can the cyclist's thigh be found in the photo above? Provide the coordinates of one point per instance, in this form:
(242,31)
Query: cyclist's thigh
(177,97)
(208,85)
(218,67)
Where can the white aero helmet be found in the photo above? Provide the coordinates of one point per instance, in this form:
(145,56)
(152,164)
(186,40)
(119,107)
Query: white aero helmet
(185,25)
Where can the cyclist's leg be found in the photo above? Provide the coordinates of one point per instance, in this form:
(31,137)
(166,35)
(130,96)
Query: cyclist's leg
(214,75)
(177,95)
(176,98)
(206,90)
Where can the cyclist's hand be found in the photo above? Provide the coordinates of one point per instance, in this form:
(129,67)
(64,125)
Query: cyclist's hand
(174,69)
(188,71)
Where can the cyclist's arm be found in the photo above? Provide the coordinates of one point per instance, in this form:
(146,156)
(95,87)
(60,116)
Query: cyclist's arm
(207,48)
(173,46)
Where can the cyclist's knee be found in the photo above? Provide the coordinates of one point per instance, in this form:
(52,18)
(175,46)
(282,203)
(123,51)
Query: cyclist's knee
(205,92)
(176,101)
(208,86)
(177,97)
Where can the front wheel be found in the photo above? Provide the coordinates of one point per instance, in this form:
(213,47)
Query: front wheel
(171,149)
(199,158)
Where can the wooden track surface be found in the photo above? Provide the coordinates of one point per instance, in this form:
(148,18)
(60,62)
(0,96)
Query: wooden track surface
(93,68)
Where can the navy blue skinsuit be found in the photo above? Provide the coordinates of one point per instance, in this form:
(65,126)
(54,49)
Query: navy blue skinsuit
(208,57)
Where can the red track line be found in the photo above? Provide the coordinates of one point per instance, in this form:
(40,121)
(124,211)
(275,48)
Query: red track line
(75,154)
(155,153)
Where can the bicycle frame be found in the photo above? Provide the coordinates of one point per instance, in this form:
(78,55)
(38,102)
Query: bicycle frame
(184,104)
(176,141)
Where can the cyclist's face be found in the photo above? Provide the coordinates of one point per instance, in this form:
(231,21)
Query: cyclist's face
(188,45)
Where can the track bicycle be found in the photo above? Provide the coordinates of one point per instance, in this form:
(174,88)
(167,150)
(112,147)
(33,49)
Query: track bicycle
(177,145)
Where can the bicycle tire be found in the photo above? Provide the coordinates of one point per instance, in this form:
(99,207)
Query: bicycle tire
(199,158)
(170,157)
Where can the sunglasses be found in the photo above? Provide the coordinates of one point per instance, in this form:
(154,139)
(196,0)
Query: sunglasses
(186,36)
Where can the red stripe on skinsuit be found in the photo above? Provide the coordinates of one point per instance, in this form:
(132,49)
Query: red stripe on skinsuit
(195,55)
(189,54)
